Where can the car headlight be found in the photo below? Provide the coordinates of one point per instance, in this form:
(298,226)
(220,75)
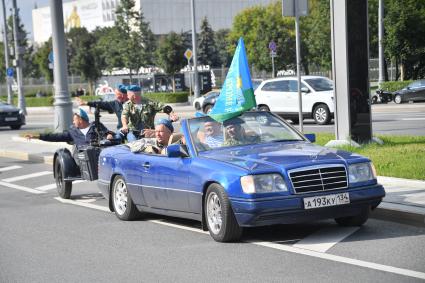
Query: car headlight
(361,172)
(266,183)
(21,112)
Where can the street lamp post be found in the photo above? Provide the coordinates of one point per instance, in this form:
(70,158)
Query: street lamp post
(18,60)
(63,104)
(6,55)
(194,48)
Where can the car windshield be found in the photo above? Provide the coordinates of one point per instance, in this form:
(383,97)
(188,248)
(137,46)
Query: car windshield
(249,128)
(320,84)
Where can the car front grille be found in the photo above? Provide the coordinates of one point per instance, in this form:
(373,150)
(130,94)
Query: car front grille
(9,114)
(315,179)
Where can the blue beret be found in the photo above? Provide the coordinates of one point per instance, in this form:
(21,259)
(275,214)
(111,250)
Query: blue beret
(122,88)
(83,114)
(133,88)
(166,123)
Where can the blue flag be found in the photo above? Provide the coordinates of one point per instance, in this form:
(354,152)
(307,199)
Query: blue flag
(237,95)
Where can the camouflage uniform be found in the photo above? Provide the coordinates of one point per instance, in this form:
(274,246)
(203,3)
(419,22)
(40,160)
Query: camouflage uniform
(141,116)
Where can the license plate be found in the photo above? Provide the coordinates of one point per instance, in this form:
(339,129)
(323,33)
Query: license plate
(8,119)
(328,200)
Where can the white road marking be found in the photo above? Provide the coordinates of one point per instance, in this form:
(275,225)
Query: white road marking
(23,177)
(179,226)
(286,248)
(53,186)
(83,204)
(336,258)
(412,119)
(326,238)
(9,168)
(21,188)
(46,187)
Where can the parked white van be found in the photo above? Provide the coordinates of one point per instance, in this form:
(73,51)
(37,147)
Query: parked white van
(280,95)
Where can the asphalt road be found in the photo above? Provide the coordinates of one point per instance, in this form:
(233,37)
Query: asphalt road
(43,239)
(387,119)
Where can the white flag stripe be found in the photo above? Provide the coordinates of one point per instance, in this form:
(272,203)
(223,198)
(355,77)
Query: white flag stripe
(9,168)
(21,188)
(29,176)
(326,238)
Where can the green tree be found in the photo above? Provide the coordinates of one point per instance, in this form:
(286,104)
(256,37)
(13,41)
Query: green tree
(135,43)
(207,54)
(29,69)
(221,39)
(82,56)
(108,47)
(170,53)
(41,60)
(260,25)
(405,36)
(2,64)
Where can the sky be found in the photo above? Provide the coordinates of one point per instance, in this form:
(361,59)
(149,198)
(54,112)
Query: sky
(25,12)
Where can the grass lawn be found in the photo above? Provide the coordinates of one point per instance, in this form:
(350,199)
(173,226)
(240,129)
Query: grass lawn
(399,156)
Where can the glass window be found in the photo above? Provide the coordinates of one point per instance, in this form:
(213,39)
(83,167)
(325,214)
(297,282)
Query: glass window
(249,128)
(276,86)
(415,84)
(320,84)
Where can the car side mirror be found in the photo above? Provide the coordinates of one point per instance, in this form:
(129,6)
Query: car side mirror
(305,89)
(177,150)
(407,87)
(311,137)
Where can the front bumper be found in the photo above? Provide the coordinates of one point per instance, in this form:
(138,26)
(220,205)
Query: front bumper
(5,120)
(290,209)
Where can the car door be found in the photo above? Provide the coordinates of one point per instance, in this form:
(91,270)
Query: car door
(275,95)
(293,100)
(412,91)
(164,181)
(420,94)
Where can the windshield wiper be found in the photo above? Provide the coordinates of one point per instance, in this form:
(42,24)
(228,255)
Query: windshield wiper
(286,140)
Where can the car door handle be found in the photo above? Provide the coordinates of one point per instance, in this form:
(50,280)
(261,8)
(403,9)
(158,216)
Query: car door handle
(146,165)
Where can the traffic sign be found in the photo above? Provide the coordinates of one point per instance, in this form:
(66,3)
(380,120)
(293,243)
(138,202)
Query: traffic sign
(10,72)
(188,54)
(51,57)
(272,46)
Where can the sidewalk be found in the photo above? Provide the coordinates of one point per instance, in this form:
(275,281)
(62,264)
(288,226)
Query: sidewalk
(404,201)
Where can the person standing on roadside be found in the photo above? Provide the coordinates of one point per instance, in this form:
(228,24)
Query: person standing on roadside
(114,106)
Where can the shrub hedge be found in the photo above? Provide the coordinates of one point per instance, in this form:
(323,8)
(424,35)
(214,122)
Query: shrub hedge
(164,97)
(394,85)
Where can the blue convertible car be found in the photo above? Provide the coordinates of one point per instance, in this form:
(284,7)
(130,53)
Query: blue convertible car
(253,170)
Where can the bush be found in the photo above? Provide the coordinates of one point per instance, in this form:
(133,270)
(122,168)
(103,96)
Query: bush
(394,85)
(168,97)
(36,101)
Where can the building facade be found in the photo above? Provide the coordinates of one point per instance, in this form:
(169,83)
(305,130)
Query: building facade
(163,15)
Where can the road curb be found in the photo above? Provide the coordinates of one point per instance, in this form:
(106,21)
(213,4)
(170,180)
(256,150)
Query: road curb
(399,213)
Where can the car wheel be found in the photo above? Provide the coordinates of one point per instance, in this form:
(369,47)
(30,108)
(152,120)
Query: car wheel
(207,108)
(123,205)
(356,220)
(219,215)
(321,114)
(264,108)
(374,99)
(15,127)
(63,187)
(397,99)
(295,120)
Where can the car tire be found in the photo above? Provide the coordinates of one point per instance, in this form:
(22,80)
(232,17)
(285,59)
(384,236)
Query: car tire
(207,108)
(221,221)
(295,121)
(374,99)
(321,114)
(356,220)
(122,203)
(63,187)
(15,127)
(264,108)
(397,99)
